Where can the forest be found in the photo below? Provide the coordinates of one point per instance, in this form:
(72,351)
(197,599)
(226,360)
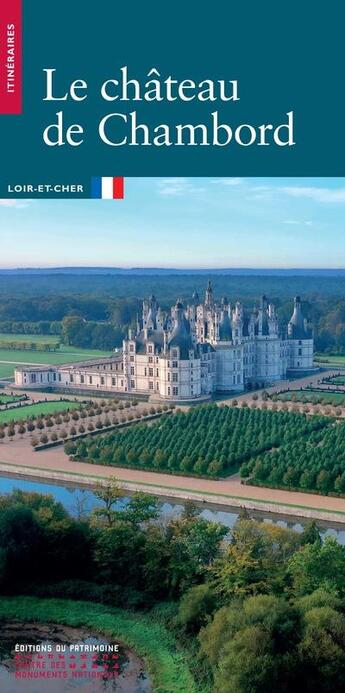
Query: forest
(261,608)
(108,302)
(37,303)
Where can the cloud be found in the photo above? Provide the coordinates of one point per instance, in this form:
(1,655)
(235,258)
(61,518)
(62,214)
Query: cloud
(178,186)
(295,222)
(316,194)
(229,181)
(17,204)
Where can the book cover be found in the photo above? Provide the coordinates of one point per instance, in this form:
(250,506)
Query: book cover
(172,348)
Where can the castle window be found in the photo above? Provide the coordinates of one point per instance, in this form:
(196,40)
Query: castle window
(150,349)
(174,352)
(71,378)
(299,352)
(131,347)
(175,391)
(132,383)
(150,385)
(157,372)
(169,391)
(82,379)
(113,381)
(174,364)
(174,377)
(102,380)
(131,358)
(150,359)
(90,379)
(150,372)
(59,376)
(132,370)
(145,371)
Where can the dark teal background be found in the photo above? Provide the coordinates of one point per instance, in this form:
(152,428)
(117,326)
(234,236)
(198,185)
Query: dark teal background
(286,56)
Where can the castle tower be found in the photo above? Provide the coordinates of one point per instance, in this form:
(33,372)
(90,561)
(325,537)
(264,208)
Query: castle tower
(209,296)
(301,343)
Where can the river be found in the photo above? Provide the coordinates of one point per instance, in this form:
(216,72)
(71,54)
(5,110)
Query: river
(79,501)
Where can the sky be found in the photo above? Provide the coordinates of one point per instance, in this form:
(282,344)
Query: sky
(183,222)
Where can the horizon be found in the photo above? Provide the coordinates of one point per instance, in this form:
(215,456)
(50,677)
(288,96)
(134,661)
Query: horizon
(197,269)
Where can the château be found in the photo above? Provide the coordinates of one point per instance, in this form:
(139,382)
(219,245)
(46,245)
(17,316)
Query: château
(191,353)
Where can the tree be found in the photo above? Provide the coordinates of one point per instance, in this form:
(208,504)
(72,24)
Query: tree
(195,606)
(71,329)
(141,507)
(249,644)
(310,534)
(318,565)
(109,493)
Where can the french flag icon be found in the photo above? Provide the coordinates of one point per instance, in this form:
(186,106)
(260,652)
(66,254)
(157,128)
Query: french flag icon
(107,188)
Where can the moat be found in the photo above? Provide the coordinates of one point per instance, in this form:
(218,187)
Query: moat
(80,502)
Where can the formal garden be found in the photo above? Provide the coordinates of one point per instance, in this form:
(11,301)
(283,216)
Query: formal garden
(209,440)
(52,422)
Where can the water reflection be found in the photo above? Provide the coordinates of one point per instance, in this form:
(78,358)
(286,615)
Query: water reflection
(80,501)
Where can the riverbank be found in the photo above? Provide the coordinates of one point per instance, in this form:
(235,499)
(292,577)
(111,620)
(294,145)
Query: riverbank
(226,493)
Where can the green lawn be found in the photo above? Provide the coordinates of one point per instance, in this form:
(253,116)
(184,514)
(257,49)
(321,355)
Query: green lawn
(19,413)
(329,359)
(9,399)
(166,662)
(29,338)
(339,380)
(308,396)
(66,354)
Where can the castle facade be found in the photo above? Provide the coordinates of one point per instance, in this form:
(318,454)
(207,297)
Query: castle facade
(191,353)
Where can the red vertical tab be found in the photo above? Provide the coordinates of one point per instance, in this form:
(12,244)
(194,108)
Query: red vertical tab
(118,188)
(10,57)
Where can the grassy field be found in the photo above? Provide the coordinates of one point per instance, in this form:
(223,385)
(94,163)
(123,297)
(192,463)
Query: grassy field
(41,408)
(339,380)
(9,399)
(309,396)
(166,662)
(29,338)
(329,359)
(66,354)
